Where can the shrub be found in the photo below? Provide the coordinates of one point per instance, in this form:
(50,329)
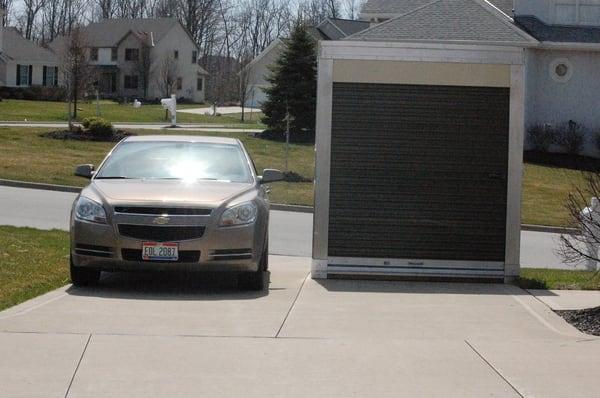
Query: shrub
(100,127)
(571,137)
(540,137)
(88,120)
(35,93)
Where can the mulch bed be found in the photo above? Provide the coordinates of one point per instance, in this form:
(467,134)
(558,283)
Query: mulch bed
(80,135)
(587,321)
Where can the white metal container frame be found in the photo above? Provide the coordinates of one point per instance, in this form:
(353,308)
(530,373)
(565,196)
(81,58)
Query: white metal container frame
(494,53)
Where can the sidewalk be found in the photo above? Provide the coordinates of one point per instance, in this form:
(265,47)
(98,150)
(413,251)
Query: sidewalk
(568,299)
(219,128)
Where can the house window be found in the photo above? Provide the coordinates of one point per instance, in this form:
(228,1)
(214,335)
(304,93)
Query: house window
(131,82)
(132,54)
(199,84)
(589,14)
(24,75)
(176,54)
(50,77)
(93,54)
(114,54)
(179,83)
(194,56)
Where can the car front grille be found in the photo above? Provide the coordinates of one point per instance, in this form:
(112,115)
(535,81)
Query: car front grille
(185,256)
(170,211)
(162,233)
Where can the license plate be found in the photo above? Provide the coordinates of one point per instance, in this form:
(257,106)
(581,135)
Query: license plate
(160,251)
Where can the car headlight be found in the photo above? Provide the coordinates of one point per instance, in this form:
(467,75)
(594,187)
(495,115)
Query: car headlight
(239,215)
(88,210)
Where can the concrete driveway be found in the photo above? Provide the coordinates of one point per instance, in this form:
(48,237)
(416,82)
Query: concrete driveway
(176,336)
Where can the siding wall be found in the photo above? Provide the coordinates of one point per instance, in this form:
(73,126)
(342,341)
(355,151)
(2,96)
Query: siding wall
(549,101)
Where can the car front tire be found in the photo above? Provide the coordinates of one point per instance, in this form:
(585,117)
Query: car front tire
(260,279)
(81,276)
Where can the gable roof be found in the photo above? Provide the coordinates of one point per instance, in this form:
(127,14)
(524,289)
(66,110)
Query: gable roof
(448,21)
(560,34)
(19,49)
(108,32)
(336,28)
(405,6)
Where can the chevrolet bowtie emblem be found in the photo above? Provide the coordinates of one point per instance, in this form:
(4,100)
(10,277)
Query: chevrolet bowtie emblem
(161,220)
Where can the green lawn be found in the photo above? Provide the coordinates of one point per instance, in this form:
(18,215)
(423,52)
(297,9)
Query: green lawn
(542,278)
(28,157)
(32,262)
(49,111)
(25,156)
(545,190)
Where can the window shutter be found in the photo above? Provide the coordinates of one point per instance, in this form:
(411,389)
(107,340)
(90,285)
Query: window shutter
(18,75)
(30,74)
(44,83)
(55,76)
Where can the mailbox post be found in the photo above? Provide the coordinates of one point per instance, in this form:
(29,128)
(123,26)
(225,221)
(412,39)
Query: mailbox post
(170,104)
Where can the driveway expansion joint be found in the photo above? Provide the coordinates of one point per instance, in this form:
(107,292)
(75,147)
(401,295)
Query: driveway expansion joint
(515,389)
(292,306)
(87,343)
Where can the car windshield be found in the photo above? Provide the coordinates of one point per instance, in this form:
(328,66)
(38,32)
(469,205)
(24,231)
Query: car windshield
(176,160)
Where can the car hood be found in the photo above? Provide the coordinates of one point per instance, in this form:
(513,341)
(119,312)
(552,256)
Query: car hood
(171,191)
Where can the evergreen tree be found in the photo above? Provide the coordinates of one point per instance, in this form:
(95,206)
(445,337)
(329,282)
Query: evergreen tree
(293,80)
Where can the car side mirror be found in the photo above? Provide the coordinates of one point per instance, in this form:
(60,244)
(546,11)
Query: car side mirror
(271,175)
(84,170)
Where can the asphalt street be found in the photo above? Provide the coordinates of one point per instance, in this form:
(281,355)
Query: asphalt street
(290,232)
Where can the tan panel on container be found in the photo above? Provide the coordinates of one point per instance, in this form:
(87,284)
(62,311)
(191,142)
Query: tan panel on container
(426,73)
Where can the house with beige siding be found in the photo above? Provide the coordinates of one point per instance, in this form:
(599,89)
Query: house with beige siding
(144,58)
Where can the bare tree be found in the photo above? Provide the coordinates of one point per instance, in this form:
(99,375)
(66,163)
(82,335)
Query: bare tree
(314,12)
(244,79)
(583,206)
(166,74)
(78,74)
(352,8)
(143,67)
(6,6)
(31,8)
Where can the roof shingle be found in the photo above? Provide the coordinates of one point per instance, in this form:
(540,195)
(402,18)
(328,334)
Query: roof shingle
(403,6)
(564,34)
(446,20)
(18,48)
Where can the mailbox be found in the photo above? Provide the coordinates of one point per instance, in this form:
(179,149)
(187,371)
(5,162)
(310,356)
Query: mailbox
(170,104)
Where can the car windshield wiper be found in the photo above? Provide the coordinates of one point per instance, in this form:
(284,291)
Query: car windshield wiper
(113,178)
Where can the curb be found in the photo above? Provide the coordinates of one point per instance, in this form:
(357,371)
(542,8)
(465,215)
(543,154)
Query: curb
(295,208)
(546,228)
(37,185)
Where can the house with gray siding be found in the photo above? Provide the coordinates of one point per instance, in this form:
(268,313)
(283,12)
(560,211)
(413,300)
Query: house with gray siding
(257,70)
(561,59)
(23,63)
(144,58)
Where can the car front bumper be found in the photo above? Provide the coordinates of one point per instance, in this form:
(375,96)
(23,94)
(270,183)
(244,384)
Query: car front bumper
(232,249)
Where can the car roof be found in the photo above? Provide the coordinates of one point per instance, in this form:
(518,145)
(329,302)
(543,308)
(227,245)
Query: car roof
(183,138)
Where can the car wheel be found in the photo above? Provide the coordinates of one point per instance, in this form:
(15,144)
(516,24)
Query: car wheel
(81,276)
(258,280)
